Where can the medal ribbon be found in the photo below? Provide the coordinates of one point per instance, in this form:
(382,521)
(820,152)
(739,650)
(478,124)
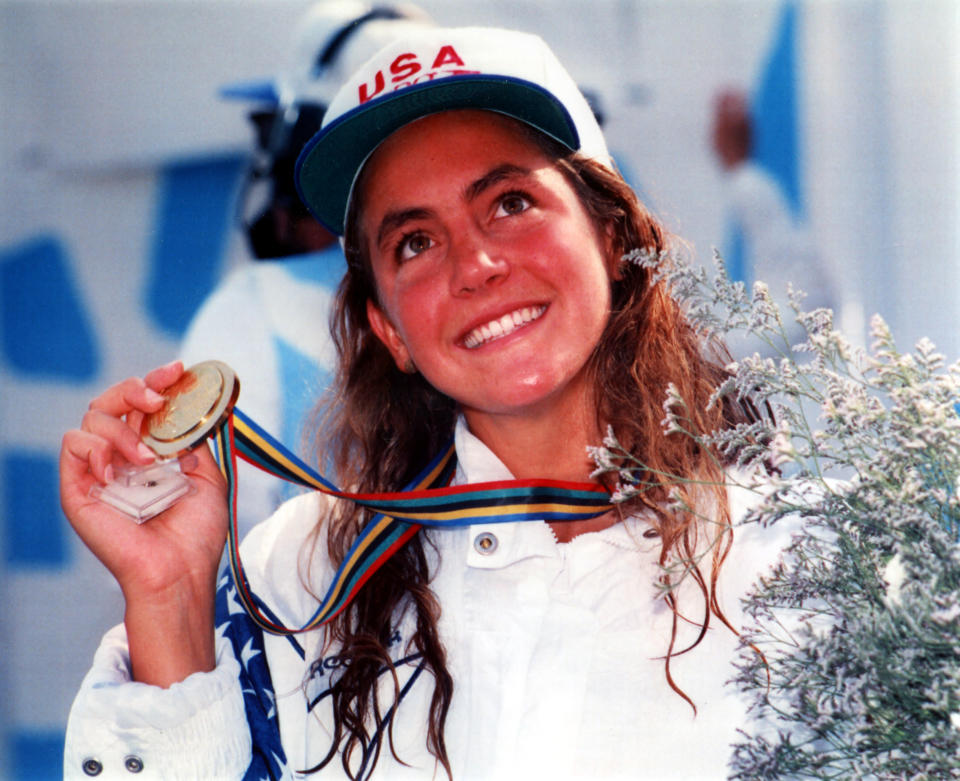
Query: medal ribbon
(428,500)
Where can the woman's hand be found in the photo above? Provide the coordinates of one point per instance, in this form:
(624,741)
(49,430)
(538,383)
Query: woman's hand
(167,566)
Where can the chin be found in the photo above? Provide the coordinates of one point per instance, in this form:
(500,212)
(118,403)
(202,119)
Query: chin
(528,395)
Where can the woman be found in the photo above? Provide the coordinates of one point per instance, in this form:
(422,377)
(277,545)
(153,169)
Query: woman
(486,299)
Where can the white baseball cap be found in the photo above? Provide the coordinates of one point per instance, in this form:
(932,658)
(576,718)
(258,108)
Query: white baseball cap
(433,70)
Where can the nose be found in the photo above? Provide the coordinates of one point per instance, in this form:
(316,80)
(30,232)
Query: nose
(475,265)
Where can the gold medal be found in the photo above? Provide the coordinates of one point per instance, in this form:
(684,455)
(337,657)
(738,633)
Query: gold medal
(195,405)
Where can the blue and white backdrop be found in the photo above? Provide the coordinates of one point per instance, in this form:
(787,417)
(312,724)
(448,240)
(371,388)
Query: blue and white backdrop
(119,166)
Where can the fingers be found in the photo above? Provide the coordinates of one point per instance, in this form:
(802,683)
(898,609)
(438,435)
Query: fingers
(85,460)
(127,396)
(164,377)
(109,433)
(111,426)
(117,437)
(136,394)
(189,462)
(82,452)
(134,398)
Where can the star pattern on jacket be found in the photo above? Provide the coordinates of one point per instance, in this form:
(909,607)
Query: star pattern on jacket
(268,761)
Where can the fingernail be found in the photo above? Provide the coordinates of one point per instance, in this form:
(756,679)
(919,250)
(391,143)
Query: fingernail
(153,397)
(188,462)
(146,452)
(108,473)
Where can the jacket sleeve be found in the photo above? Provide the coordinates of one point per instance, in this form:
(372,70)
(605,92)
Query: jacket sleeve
(194,729)
(217,725)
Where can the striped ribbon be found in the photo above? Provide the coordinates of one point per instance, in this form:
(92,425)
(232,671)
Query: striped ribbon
(428,500)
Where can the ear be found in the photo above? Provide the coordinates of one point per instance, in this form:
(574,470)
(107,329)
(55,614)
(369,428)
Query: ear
(389,335)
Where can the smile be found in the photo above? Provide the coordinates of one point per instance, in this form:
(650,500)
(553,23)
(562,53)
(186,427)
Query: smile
(503,326)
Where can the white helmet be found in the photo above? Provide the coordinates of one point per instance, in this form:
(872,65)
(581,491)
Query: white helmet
(335,38)
(332,39)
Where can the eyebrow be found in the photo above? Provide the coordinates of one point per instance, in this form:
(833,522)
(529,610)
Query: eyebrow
(395,219)
(493,177)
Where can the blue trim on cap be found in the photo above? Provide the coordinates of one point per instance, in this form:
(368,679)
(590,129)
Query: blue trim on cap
(409,104)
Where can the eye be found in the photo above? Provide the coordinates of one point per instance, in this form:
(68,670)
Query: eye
(412,244)
(511,204)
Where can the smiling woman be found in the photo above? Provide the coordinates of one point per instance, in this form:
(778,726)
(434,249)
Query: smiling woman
(491,229)
(486,300)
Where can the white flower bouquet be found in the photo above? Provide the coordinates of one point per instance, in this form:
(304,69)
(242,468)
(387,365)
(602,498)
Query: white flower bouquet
(851,654)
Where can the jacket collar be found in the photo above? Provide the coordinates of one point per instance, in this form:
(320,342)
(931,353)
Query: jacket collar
(496,545)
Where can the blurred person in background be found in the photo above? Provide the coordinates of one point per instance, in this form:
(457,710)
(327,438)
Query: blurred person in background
(267,319)
(777,246)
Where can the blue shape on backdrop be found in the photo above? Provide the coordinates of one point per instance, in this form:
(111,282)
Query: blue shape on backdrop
(34,526)
(735,258)
(194,215)
(325,267)
(775,111)
(36,755)
(47,331)
(303,382)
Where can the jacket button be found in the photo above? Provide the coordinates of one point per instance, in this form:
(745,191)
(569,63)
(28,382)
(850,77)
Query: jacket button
(485,543)
(133,764)
(92,767)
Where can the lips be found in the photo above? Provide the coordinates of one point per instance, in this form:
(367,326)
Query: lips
(503,326)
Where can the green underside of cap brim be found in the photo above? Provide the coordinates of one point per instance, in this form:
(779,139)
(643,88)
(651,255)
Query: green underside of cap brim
(329,163)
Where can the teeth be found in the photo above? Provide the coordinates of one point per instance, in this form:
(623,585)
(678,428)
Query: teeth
(502,326)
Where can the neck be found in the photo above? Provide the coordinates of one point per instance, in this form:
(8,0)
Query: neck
(546,444)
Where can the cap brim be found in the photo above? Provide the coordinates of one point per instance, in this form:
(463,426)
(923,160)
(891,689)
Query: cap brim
(329,163)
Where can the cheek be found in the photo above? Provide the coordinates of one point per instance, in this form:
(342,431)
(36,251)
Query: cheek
(588,269)
(595,299)
(414,310)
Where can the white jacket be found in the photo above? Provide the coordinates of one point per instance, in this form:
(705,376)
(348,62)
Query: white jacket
(555,651)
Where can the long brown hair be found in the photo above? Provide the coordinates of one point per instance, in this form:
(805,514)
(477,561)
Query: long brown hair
(386,424)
